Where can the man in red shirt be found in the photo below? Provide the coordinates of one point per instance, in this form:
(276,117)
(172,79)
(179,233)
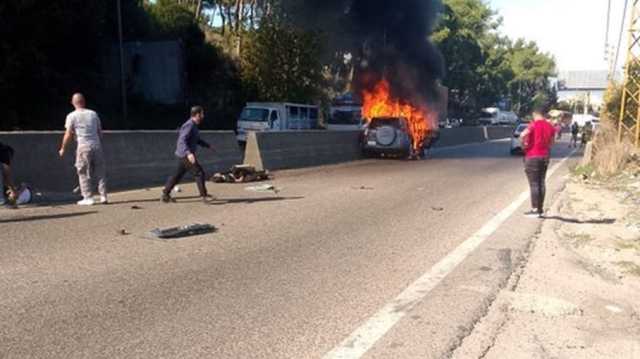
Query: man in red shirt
(537,140)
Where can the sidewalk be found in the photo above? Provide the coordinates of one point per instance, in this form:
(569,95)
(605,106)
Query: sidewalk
(579,294)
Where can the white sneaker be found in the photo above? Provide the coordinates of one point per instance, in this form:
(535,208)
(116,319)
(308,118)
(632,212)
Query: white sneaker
(86,202)
(104,200)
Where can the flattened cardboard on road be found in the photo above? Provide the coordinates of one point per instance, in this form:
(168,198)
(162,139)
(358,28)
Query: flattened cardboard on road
(182,231)
(264,188)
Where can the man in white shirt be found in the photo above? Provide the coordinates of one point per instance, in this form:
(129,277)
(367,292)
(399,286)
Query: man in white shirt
(85,125)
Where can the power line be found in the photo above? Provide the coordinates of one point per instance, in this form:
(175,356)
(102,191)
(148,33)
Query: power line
(606,36)
(614,65)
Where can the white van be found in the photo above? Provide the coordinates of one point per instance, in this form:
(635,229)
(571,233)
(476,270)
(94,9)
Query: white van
(581,119)
(493,116)
(275,116)
(345,118)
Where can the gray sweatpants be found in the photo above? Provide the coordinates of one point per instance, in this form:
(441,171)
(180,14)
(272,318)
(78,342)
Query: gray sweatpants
(91,167)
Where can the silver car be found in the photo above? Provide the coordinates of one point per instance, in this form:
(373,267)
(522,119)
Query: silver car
(516,143)
(387,136)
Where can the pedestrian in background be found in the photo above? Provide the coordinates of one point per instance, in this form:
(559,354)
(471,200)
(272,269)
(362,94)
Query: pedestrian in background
(558,128)
(188,142)
(587,133)
(575,129)
(538,139)
(85,126)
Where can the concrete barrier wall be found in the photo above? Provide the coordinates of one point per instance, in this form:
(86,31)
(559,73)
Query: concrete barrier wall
(460,136)
(296,149)
(145,158)
(134,158)
(497,133)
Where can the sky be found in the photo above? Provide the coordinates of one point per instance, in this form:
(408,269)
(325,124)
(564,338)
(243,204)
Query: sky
(573,31)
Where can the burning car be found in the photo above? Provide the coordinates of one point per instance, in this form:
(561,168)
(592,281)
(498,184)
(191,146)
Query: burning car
(396,126)
(387,136)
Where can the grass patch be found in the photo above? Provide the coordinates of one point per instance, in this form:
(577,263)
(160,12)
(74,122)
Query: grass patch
(610,155)
(628,245)
(584,171)
(630,268)
(580,239)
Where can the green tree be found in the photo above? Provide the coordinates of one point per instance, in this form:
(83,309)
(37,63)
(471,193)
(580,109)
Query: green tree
(48,49)
(530,84)
(484,67)
(612,103)
(462,36)
(282,63)
(213,77)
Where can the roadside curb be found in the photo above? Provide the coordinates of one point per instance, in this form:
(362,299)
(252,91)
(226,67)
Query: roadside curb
(484,334)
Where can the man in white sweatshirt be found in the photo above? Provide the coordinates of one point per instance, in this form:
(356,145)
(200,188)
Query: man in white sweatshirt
(85,125)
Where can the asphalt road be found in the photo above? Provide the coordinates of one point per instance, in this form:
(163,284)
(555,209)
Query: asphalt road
(286,276)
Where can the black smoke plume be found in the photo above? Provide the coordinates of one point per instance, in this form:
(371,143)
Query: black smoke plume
(388,39)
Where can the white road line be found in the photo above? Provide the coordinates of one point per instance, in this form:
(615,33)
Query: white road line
(376,327)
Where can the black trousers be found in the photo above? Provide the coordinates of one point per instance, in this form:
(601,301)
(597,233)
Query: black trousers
(183,167)
(536,170)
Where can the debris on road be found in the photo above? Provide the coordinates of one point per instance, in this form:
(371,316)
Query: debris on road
(241,174)
(123,232)
(437,209)
(264,188)
(136,207)
(363,188)
(183,231)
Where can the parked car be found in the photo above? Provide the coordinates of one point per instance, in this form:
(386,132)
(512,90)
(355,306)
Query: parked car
(450,123)
(387,136)
(516,144)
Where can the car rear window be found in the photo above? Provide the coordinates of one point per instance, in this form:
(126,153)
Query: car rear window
(380,122)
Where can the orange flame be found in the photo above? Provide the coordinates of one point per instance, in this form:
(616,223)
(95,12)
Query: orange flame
(380,103)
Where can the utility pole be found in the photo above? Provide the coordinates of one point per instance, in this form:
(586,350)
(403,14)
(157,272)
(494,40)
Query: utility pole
(123,85)
(629,124)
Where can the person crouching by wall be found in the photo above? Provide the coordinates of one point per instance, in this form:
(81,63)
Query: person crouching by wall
(8,193)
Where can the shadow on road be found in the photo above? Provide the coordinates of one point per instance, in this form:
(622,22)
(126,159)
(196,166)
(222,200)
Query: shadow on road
(577,221)
(47,217)
(188,199)
(223,201)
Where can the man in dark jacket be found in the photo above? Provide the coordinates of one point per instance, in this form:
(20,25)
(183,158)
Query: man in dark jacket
(575,129)
(188,142)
